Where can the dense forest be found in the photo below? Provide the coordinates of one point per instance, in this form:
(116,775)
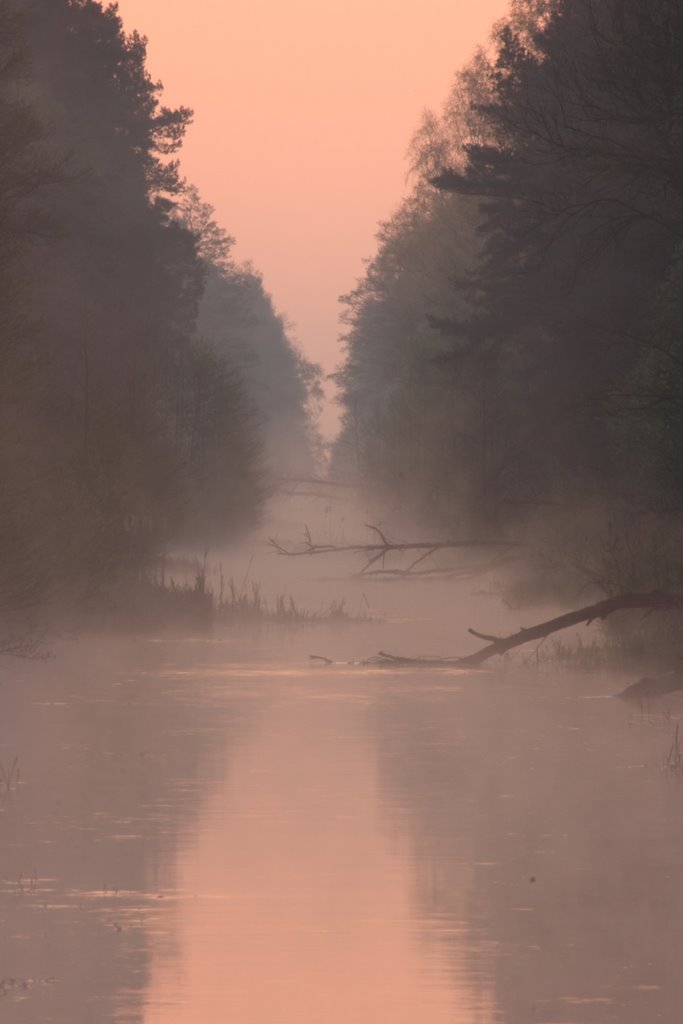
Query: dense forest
(514,351)
(147,381)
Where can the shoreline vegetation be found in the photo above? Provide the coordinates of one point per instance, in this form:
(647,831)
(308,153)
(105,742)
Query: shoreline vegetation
(195,597)
(148,384)
(512,373)
(514,351)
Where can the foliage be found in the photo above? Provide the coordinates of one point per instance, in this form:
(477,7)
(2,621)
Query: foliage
(125,427)
(515,342)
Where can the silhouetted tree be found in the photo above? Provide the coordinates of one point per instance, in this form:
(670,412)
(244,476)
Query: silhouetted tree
(561,143)
(127,428)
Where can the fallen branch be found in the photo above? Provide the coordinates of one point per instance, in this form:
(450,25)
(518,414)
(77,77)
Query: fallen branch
(321,657)
(377,551)
(396,661)
(485,636)
(418,574)
(384,660)
(656,600)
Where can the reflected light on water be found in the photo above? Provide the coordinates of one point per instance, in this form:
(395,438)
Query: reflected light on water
(317,919)
(190,840)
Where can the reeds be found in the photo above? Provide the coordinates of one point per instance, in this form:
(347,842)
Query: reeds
(245,603)
(209,600)
(10,777)
(674,758)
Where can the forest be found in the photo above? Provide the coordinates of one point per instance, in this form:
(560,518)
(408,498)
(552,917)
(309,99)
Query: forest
(514,352)
(512,362)
(379,729)
(149,387)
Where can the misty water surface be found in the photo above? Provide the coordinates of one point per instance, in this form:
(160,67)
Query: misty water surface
(214,831)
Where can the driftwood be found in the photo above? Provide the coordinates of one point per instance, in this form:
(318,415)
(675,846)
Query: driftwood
(378,551)
(656,600)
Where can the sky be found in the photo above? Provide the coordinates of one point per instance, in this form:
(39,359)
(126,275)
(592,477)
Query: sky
(303,114)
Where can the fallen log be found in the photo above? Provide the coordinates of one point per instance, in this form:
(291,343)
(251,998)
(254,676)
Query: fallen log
(655,600)
(397,661)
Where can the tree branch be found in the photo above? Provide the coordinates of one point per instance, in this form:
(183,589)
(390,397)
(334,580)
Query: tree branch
(378,550)
(655,600)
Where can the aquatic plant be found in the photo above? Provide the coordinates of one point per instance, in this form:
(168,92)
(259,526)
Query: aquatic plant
(674,757)
(246,603)
(10,777)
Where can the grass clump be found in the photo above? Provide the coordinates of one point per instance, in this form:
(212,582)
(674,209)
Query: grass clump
(246,603)
(674,758)
(10,775)
(202,599)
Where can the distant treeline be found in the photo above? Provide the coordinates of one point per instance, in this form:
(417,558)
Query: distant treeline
(146,381)
(517,340)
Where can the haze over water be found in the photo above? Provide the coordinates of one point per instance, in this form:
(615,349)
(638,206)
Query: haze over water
(220,798)
(210,829)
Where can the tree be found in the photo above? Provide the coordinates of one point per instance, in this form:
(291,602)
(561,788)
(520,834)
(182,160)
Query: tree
(556,220)
(114,292)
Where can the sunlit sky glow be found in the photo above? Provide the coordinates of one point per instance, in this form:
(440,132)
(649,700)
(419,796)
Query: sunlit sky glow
(303,114)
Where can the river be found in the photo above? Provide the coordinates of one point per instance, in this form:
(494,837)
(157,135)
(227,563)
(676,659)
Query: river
(212,830)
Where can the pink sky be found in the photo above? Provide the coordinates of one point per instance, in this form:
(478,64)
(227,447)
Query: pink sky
(303,113)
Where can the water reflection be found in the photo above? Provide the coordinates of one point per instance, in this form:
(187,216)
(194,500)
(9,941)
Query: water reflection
(198,839)
(297,904)
(543,819)
(197,836)
(114,770)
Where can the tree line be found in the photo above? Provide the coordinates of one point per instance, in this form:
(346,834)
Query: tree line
(516,344)
(146,381)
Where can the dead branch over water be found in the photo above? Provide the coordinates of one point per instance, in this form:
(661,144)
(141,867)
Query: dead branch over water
(660,601)
(376,552)
(652,601)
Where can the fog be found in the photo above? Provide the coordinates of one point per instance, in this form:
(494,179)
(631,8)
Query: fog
(384,729)
(204,823)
